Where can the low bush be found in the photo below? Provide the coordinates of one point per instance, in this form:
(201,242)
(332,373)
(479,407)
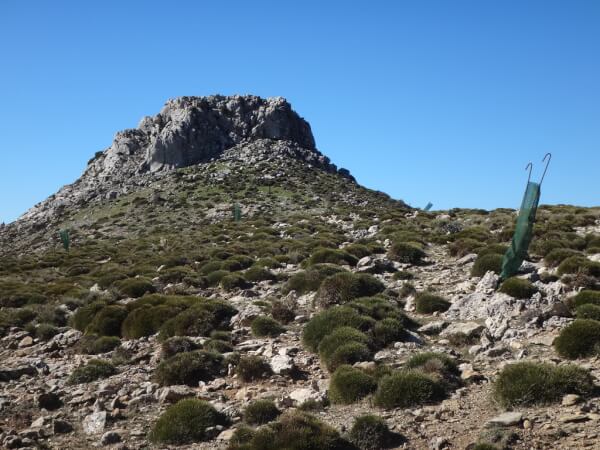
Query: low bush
(189,368)
(219,346)
(338,337)
(261,412)
(177,344)
(233,281)
(251,368)
(92,371)
(558,255)
(344,287)
(485,263)
(586,297)
(405,388)
(134,287)
(264,326)
(46,331)
(332,256)
(107,321)
(403,275)
(309,280)
(256,274)
(186,422)
(349,384)
(579,264)
(295,430)
(579,339)
(528,383)
(405,252)
(388,331)
(370,432)
(325,322)
(358,250)
(348,353)
(588,311)
(94,345)
(85,314)
(462,247)
(427,303)
(434,360)
(282,312)
(518,288)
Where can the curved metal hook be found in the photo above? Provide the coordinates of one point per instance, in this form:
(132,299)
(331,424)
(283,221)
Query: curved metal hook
(530,167)
(549,156)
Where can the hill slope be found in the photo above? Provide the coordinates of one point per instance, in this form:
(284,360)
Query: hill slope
(218,259)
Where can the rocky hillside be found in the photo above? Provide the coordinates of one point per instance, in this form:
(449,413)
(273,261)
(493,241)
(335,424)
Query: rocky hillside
(226,287)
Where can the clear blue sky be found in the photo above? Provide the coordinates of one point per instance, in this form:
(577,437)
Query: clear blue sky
(441,101)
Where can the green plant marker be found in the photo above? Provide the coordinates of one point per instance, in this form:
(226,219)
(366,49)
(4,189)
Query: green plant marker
(237,212)
(65,239)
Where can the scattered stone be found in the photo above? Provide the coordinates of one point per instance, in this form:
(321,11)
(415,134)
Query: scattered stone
(570,399)
(94,423)
(110,437)
(49,401)
(506,419)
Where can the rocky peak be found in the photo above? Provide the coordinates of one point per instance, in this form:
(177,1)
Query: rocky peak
(191,130)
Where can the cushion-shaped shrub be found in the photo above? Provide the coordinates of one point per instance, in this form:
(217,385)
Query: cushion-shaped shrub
(251,368)
(349,384)
(406,252)
(388,331)
(405,388)
(189,368)
(345,286)
(485,263)
(325,322)
(186,422)
(135,287)
(427,303)
(261,412)
(85,314)
(348,353)
(177,344)
(338,337)
(92,371)
(332,256)
(579,339)
(528,383)
(370,432)
(518,288)
(588,311)
(264,326)
(295,430)
(586,297)
(558,255)
(579,264)
(107,321)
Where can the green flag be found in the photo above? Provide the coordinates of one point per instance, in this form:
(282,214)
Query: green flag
(517,252)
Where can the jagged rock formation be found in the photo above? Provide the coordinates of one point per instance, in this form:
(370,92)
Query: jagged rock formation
(187,131)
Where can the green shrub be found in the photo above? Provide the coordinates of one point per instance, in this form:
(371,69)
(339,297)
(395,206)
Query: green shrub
(189,368)
(349,384)
(579,264)
(310,280)
(343,287)
(370,433)
(215,277)
(462,247)
(494,249)
(358,250)
(282,312)
(486,263)
(338,337)
(94,345)
(219,346)
(422,360)
(348,353)
(517,288)
(85,314)
(388,331)
(403,275)
(588,311)
(185,422)
(256,274)
(107,321)
(406,388)
(579,339)
(325,322)
(264,326)
(92,371)
(295,430)
(558,255)
(586,297)
(261,412)
(177,344)
(405,252)
(200,319)
(426,303)
(251,368)
(46,331)
(332,256)
(135,287)
(233,281)
(528,383)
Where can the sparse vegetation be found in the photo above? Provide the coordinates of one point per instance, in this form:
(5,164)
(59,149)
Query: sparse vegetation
(489,262)
(517,288)
(264,326)
(189,368)
(92,371)
(261,412)
(579,339)
(370,432)
(427,303)
(251,368)
(405,388)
